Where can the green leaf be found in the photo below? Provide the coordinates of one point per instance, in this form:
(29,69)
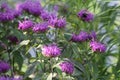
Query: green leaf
(18,59)
(67,36)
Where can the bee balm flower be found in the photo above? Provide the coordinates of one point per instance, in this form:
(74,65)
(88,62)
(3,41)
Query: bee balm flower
(67,67)
(51,50)
(97,46)
(86,16)
(4,66)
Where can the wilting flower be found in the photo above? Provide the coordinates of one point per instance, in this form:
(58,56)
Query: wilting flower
(40,27)
(25,25)
(6,77)
(86,16)
(97,46)
(32,6)
(51,50)
(60,23)
(82,36)
(12,39)
(4,66)
(67,67)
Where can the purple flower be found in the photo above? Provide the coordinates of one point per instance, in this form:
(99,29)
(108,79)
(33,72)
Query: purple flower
(51,50)
(40,27)
(53,20)
(45,15)
(25,25)
(82,36)
(4,66)
(6,13)
(67,67)
(92,36)
(61,23)
(97,46)
(86,16)
(32,6)
(75,38)
(13,39)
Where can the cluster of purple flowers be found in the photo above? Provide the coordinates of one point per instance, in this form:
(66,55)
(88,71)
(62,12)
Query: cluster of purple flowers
(51,50)
(86,16)
(67,67)
(4,66)
(94,44)
(31,6)
(6,13)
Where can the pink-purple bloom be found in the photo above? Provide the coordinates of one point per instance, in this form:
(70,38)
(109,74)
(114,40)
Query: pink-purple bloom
(86,16)
(52,20)
(56,22)
(51,50)
(40,27)
(32,6)
(25,25)
(82,36)
(97,46)
(45,15)
(4,66)
(67,67)
(61,23)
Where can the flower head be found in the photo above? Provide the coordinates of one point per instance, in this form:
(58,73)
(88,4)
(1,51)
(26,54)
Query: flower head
(25,25)
(53,20)
(32,6)
(97,46)
(86,16)
(60,23)
(51,50)
(82,36)
(4,66)
(67,67)
(45,15)
(40,27)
